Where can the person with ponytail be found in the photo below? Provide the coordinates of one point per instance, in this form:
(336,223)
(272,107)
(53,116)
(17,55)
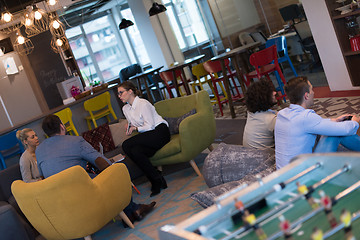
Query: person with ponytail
(153,133)
(28,164)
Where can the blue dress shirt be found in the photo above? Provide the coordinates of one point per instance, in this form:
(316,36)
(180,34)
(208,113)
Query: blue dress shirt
(296,129)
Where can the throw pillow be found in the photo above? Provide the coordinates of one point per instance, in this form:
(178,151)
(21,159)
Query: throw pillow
(118,132)
(174,123)
(101,135)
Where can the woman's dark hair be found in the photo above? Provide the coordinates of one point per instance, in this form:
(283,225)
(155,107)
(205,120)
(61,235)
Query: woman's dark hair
(51,125)
(127,85)
(259,96)
(296,88)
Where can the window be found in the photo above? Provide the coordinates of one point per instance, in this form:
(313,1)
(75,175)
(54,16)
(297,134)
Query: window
(187,23)
(100,51)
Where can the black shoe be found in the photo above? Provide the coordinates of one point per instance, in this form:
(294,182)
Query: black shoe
(143,210)
(156,187)
(163,183)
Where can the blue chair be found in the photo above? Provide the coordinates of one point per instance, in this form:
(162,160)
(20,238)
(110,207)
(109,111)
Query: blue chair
(9,146)
(281,46)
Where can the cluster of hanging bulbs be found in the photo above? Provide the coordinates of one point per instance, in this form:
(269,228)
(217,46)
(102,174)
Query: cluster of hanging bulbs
(35,22)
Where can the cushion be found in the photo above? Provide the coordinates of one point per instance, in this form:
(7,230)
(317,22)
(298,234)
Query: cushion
(229,163)
(174,123)
(101,135)
(206,198)
(118,132)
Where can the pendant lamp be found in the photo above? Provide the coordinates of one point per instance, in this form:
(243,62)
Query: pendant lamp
(156,9)
(22,45)
(125,23)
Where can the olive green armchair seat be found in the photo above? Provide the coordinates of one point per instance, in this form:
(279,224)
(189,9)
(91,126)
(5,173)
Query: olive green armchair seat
(196,132)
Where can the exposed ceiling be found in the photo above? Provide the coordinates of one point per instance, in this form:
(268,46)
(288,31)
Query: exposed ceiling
(85,10)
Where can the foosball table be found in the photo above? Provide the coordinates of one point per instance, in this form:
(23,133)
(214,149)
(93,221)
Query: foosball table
(315,197)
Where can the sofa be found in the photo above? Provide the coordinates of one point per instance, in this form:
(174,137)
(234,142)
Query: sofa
(230,166)
(14,224)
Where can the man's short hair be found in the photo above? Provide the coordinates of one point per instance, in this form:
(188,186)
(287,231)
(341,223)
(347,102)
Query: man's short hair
(259,96)
(295,89)
(51,125)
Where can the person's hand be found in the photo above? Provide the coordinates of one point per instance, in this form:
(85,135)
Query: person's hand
(356,118)
(341,118)
(131,129)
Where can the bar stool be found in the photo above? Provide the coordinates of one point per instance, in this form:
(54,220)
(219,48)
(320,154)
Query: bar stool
(281,47)
(265,62)
(65,116)
(9,146)
(213,67)
(102,107)
(167,77)
(199,72)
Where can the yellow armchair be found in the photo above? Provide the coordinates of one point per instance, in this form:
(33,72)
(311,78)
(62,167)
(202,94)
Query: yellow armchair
(71,205)
(196,132)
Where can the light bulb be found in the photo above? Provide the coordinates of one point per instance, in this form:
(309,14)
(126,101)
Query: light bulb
(52,2)
(37,15)
(21,39)
(59,42)
(28,21)
(56,24)
(7,17)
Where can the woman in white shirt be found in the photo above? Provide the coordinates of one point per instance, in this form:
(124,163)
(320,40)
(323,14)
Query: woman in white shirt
(260,122)
(154,133)
(28,164)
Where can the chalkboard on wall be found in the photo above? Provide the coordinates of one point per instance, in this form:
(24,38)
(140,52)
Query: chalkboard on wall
(48,67)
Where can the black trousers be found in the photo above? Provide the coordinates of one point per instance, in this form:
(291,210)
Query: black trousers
(144,145)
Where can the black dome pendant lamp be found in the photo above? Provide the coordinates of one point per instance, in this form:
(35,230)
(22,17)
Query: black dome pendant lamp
(156,9)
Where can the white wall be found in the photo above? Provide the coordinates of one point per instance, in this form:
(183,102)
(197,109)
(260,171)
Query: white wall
(327,45)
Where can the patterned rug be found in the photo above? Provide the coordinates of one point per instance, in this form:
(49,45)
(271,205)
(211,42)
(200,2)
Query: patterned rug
(325,107)
(173,205)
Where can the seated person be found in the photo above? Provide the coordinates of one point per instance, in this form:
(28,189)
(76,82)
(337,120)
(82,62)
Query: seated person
(260,122)
(60,152)
(297,126)
(154,133)
(28,164)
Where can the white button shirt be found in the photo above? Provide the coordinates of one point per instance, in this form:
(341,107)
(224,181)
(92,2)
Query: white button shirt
(142,114)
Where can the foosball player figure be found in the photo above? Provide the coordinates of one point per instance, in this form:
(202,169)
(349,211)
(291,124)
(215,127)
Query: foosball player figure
(345,218)
(302,189)
(239,205)
(327,204)
(285,227)
(250,220)
(317,234)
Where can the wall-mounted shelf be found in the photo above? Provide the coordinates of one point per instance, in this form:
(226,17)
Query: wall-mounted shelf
(352,59)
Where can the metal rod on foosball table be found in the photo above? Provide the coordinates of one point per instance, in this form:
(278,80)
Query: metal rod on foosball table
(276,188)
(340,226)
(319,209)
(276,210)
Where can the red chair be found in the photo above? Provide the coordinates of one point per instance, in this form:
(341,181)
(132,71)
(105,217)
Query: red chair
(213,67)
(168,77)
(265,62)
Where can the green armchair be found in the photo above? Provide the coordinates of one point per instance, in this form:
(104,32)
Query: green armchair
(196,132)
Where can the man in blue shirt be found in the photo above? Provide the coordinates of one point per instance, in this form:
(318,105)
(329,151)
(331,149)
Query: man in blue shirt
(297,126)
(60,152)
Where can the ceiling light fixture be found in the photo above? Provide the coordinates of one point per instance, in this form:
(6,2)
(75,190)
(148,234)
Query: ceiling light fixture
(156,9)
(22,45)
(59,44)
(7,16)
(125,23)
(40,22)
(52,2)
(56,27)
